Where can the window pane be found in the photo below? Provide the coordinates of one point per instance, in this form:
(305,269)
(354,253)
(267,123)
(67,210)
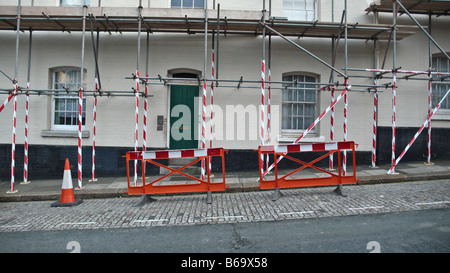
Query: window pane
(299,4)
(298,123)
(287,79)
(300,108)
(299,15)
(309,109)
(290,97)
(285,94)
(308,122)
(188,3)
(199,3)
(175,3)
(289,109)
(287,4)
(310,4)
(310,95)
(286,123)
(301,95)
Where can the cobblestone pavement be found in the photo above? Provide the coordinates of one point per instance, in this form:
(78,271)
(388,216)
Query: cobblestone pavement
(226,207)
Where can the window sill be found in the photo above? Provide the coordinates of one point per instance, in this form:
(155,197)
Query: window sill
(441,115)
(292,138)
(63,133)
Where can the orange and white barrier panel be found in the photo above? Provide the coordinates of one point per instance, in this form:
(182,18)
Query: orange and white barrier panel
(286,181)
(202,184)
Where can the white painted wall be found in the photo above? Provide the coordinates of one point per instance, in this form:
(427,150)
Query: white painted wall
(239,56)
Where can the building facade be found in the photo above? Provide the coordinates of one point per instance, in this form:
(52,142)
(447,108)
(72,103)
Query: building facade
(174,60)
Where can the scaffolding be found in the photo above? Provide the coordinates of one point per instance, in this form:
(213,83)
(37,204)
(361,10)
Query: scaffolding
(138,20)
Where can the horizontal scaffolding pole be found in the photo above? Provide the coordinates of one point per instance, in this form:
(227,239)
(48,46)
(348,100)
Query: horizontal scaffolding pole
(325,87)
(384,71)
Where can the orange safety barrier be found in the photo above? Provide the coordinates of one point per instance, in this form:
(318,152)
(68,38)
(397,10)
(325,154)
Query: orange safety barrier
(204,185)
(285,182)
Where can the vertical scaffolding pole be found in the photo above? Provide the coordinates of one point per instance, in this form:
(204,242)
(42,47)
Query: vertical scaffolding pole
(333,49)
(268,99)
(209,194)
(97,87)
(430,93)
(136,132)
(344,161)
(25,146)
(204,90)
(218,38)
(80,101)
(15,87)
(375,104)
(269,87)
(144,135)
(263,76)
(94,112)
(212,99)
(394,79)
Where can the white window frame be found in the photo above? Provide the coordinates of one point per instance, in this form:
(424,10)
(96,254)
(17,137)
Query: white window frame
(184,4)
(307,120)
(64,127)
(73,3)
(300,10)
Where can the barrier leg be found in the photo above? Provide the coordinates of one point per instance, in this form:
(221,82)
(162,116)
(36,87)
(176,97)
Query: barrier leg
(276,193)
(145,199)
(339,188)
(339,191)
(208,193)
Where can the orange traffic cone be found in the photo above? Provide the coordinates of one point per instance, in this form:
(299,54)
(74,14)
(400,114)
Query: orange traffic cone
(67,197)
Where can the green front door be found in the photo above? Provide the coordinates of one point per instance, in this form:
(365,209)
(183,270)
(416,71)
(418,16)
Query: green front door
(183,131)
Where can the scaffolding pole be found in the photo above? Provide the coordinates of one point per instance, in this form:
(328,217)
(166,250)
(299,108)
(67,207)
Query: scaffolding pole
(344,159)
(263,77)
(375,108)
(394,80)
(208,194)
(25,146)
(211,121)
(15,88)
(80,101)
(144,129)
(430,93)
(97,87)
(136,127)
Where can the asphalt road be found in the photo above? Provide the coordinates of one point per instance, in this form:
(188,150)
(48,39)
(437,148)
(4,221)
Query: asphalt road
(397,232)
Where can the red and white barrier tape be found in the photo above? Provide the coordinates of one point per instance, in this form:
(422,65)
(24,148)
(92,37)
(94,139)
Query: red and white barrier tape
(307,147)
